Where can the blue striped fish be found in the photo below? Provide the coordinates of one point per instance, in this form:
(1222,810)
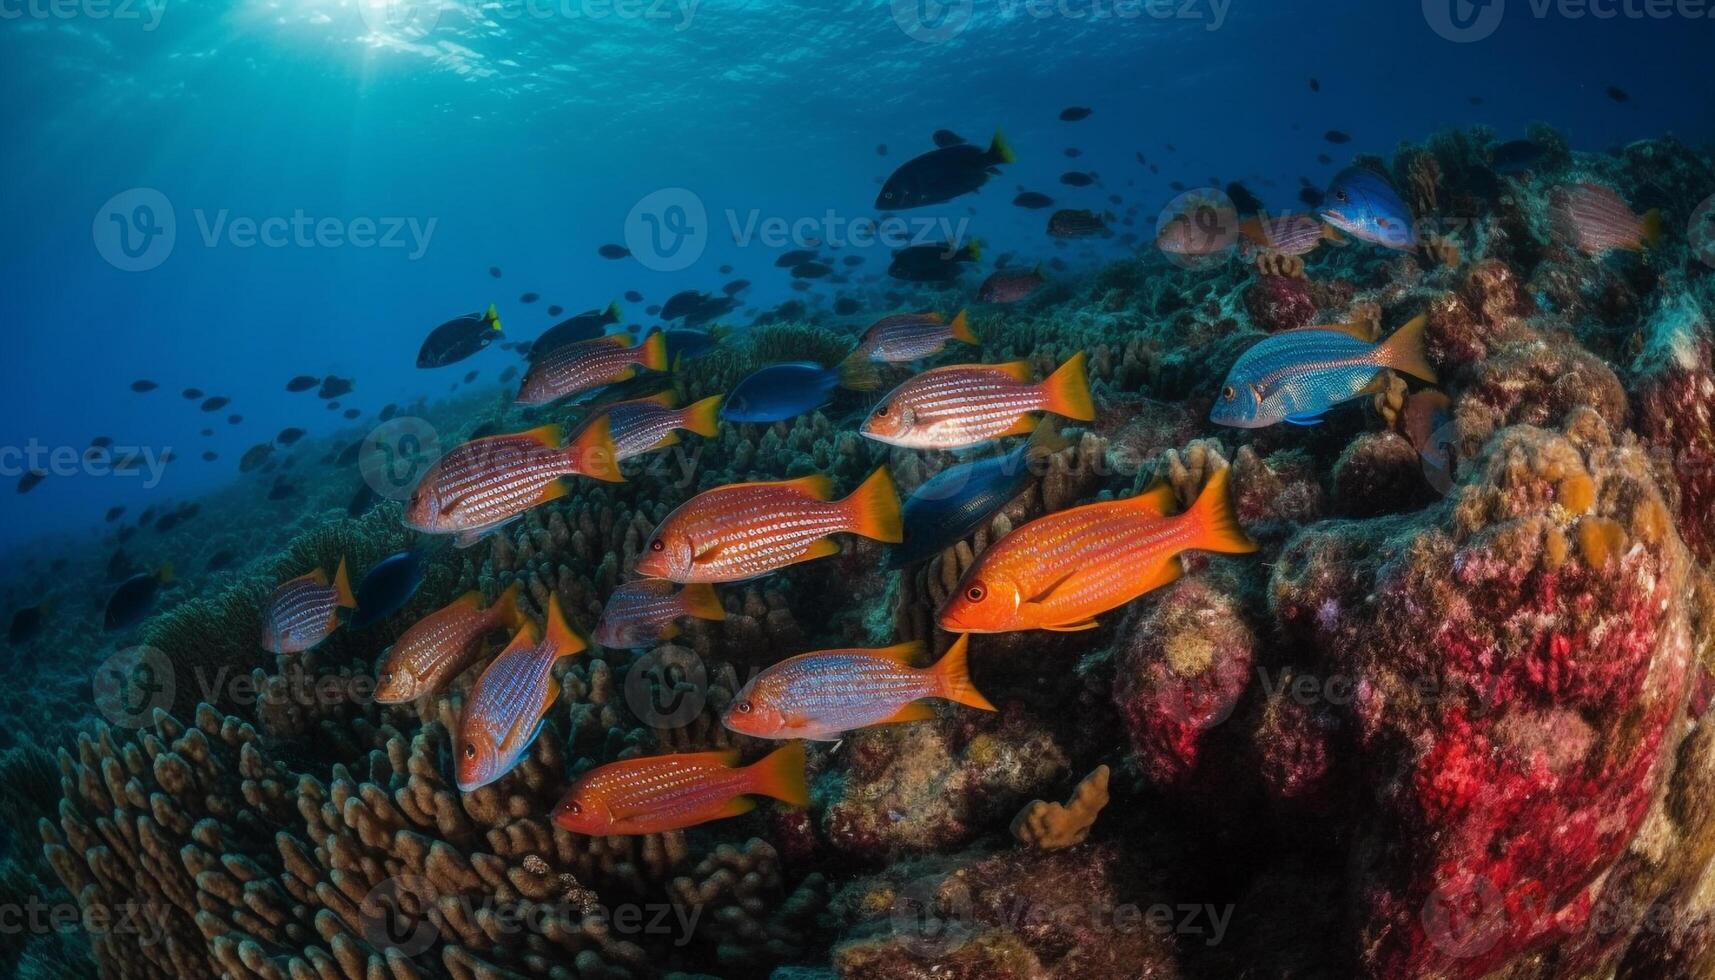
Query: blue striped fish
(1297,375)
(305,611)
(823,695)
(959,499)
(1362,203)
(643,613)
(507,704)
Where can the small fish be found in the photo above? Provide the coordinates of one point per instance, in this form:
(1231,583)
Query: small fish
(1618,94)
(485,483)
(221,560)
(234,419)
(1287,234)
(494,271)
(744,530)
(216,403)
(209,455)
(555,309)
(1072,152)
(735,287)
(826,694)
(952,504)
(1595,219)
(1337,137)
(114,513)
(1061,571)
(656,794)
(1311,197)
(1516,156)
(590,364)
(797,256)
(943,174)
(507,705)
(881,149)
(1202,226)
(459,338)
(612,251)
(303,382)
(966,404)
(647,424)
(1363,204)
(30,480)
(781,391)
(386,587)
(1297,375)
(192,394)
(633,296)
(289,436)
(437,648)
(305,611)
(1077,223)
(1074,113)
(362,500)
(129,603)
(1315,86)
(351,413)
(946,137)
(687,345)
(1244,199)
(643,613)
(1010,285)
(905,337)
(810,270)
(26,623)
(470,376)
(143,385)
(334,387)
(1032,200)
(942,262)
(1077,178)
(584,326)
(529,297)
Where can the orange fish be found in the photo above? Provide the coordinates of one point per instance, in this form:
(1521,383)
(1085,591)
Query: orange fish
(438,647)
(963,404)
(659,793)
(305,611)
(1062,571)
(743,530)
(507,704)
(589,364)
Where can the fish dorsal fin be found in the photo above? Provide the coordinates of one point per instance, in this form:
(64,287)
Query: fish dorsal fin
(1016,370)
(546,435)
(665,399)
(1158,500)
(1356,331)
(816,485)
(621,339)
(900,653)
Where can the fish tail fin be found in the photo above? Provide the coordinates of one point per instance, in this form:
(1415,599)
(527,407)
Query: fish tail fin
(653,353)
(1000,151)
(1068,390)
(973,251)
(342,588)
(703,417)
(1404,350)
(701,601)
(506,609)
(1046,440)
(1651,229)
(961,328)
(493,318)
(953,674)
(594,454)
(780,774)
(164,574)
(857,372)
(874,509)
(1157,501)
(611,314)
(561,638)
(1217,525)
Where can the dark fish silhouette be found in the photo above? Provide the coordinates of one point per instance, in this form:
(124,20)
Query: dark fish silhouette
(234,419)
(946,137)
(1033,200)
(459,338)
(26,623)
(933,263)
(387,587)
(30,479)
(735,287)
(1618,94)
(942,174)
(494,270)
(143,385)
(585,326)
(114,513)
(797,256)
(1077,178)
(303,382)
(612,251)
(129,603)
(192,394)
(289,436)
(216,403)
(1074,113)
(255,456)
(1315,86)
(334,387)
(633,296)
(1335,136)
(528,297)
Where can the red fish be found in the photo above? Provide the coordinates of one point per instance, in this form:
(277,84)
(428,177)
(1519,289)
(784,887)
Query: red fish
(646,424)
(305,611)
(1010,286)
(659,793)
(590,364)
(504,711)
(965,404)
(1595,219)
(643,613)
(906,337)
(485,483)
(743,530)
(438,647)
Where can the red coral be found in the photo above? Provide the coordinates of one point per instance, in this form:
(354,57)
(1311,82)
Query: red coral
(1277,303)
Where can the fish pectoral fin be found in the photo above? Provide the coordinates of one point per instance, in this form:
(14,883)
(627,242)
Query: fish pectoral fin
(915,711)
(1077,627)
(822,548)
(1025,425)
(736,806)
(1042,597)
(1306,419)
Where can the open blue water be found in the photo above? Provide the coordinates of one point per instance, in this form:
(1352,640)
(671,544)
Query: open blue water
(523,136)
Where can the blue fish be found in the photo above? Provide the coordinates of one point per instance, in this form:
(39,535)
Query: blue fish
(387,587)
(956,501)
(1297,375)
(687,345)
(782,391)
(1363,204)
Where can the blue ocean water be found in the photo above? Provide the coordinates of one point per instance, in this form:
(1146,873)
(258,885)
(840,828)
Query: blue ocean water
(403,149)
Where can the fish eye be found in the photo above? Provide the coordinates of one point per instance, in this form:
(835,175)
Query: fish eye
(470,750)
(881,411)
(657,545)
(571,807)
(1229,393)
(976,593)
(743,707)
(386,675)
(1341,196)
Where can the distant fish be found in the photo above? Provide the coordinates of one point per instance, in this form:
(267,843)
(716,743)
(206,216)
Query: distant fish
(1200,227)
(1073,153)
(573,369)
(1311,197)
(966,404)
(684,344)
(735,287)
(1061,571)
(192,394)
(437,648)
(129,603)
(470,376)
(494,271)
(643,613)
(1363,203)
(334,387)
(941,262)
(1315,86)
(529,297)
(826,694)
(1033,200)
(810,270)
(387,586)
(255,456)
(26,624)
(30,480)
(221,560)
(1077,178)
(303,382)
(485,483)
(234,419)
(351,413)
(1297,375)
(646,424)
(556,309)
(1595,219)
(1076,223)
(1336,136)
(388,411)
(216,403)
(1244,200)
(209,455)
(143,385)
(1618,94)
(797,256)
(945,138)
(943,174)
(114,513)
(611,251)
(906,337)
(305,611)
(1516,156)
(1074,113)
(459,338)
(289,436)
(743,530)
(951,505)
(505,709)
(1010,285)
(362,500)
(656,794)
(881,149)
(633,296)
(584,326)
(781,391)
